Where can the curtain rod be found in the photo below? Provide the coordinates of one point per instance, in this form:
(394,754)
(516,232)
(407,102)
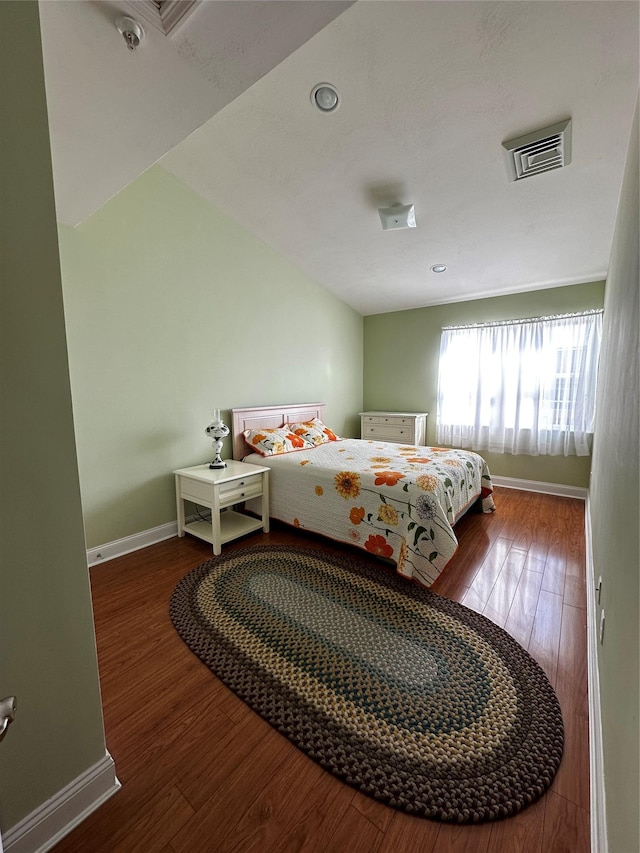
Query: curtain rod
(527,320)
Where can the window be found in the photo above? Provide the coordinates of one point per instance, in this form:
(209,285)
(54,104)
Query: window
(524,386)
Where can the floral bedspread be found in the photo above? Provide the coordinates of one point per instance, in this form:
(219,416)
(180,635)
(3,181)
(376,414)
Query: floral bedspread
(393,500)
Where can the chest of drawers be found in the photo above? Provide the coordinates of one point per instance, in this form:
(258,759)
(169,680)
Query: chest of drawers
(400,427)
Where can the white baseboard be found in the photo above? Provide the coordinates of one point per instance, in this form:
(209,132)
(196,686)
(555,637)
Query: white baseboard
(120,547)
(599,842)
(50,822)
(544,488)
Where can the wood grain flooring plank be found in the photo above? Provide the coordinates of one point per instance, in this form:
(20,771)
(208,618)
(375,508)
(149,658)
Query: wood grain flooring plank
(355,834)
(544,642)
(473,601)
(409,834)
(215,759)
(566,826)
(571,683)
(555,567)
(490,568)
(151,830)
(163,745)
(134,819)
(463,839)
(575,592)
(499,602)
(536,563)
(522,833)
(379,814)
(284,818)
(524,606)
(572,779)
(218,815)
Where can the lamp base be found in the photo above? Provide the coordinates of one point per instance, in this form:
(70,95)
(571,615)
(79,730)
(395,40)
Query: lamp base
(217,463)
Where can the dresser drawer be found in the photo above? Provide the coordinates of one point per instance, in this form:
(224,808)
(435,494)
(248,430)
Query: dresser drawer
(388,432)
(395,420)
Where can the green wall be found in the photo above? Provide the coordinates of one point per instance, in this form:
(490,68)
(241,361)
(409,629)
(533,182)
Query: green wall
(401,352)
(173,310)
(615,498)
(47,642)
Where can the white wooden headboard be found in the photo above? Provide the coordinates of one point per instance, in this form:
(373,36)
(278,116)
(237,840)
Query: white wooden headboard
(269,417)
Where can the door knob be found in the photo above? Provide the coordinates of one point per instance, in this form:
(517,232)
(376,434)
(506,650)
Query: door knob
(7,714)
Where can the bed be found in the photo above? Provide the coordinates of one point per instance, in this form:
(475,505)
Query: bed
(399,502)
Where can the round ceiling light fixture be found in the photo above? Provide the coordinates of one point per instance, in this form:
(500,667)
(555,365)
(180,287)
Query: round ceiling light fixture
(438,268)
(325,97)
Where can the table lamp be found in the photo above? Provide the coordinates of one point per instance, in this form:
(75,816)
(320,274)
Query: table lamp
(217,431)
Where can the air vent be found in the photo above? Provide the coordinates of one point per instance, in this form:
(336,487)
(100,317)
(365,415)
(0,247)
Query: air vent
(541,151)
(164,15)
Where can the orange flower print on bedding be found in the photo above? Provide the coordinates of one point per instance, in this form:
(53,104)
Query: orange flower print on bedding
(305,462)
(319,491)
(347,484)
(295,440)
(388,478)
(380,460)
(402,556)
(420,460)
(296,522)
(357,514)
(330,435)
(379,546)
(258,438)
(427,482)
(387,514)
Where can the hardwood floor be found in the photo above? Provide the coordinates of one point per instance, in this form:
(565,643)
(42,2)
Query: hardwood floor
(202,773)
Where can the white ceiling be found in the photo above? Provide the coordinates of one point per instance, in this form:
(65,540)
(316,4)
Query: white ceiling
(429,91)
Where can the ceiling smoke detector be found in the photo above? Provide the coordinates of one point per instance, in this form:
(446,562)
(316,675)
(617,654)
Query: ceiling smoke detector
(130,30)
(398,216)
(541,151)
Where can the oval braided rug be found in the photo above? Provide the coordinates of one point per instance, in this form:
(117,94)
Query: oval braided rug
(412,698)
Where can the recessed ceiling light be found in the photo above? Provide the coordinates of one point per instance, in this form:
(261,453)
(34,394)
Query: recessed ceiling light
(438,268)
(325,97)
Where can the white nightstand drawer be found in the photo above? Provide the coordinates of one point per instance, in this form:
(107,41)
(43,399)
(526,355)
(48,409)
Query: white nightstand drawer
(240,490)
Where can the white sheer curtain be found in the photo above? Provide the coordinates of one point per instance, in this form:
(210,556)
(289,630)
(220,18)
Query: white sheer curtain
(526,386)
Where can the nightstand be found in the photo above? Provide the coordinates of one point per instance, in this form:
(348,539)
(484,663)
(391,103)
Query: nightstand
(220,489)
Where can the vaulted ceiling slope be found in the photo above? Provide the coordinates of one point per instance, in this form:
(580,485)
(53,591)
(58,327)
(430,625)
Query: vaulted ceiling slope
(114,112)
(428,91)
